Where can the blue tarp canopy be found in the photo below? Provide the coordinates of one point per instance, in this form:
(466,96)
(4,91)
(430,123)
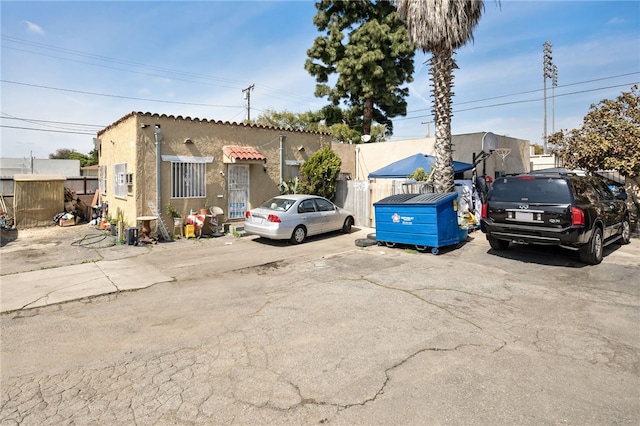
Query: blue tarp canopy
(403,168)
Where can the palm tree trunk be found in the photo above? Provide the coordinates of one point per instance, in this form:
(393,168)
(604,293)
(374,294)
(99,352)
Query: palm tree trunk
(442,66)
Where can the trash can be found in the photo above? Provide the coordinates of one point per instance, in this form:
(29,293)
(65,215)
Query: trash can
(131,236)
(422,220)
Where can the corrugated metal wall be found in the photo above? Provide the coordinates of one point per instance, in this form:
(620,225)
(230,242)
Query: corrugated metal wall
(36,202)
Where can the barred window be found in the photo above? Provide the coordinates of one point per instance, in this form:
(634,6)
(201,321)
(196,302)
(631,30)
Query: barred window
(120,180)
(188,180)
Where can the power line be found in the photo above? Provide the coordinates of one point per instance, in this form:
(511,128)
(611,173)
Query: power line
(117,96)
(47,130)
(521,101)
(35,121)
(535,91)
(137,64)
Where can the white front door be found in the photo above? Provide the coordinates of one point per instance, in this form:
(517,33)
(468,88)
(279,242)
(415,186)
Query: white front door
(238,184)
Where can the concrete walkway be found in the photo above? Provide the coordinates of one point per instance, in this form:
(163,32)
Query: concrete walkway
(51,286)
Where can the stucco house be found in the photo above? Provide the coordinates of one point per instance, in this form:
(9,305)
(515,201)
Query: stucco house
(148,160)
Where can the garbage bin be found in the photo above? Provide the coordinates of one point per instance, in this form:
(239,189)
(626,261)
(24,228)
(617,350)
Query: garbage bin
(422,220)
(132,236)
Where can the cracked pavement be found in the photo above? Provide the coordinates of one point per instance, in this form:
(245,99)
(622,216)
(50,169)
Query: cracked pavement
(362,336)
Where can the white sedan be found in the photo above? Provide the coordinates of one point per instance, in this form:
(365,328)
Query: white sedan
(296,216)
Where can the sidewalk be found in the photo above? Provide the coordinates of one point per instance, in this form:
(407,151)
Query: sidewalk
(39,270)
(50,286)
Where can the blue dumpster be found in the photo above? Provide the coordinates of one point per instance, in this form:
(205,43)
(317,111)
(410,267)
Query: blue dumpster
(422,220)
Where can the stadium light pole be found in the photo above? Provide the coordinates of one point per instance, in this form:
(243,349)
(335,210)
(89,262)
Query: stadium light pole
(547,72)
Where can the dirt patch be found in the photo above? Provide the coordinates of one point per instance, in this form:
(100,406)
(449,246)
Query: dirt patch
(52,246)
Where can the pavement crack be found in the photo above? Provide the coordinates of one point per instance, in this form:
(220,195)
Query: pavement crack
(422,299)
(107,277)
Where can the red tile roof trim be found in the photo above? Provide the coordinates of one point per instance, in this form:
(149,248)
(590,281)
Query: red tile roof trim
(179,117)
(243,153)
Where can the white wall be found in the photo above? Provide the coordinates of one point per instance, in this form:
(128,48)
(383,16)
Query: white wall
(371,157)
(13,166)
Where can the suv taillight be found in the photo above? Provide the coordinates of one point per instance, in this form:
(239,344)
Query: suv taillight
(247,214)
(484,211)
(577,216)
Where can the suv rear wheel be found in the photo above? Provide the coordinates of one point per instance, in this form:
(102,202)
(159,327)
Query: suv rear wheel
(497,244)
(592,252)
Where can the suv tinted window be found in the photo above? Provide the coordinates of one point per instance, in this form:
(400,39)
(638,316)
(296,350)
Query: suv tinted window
(603,190)
(531,190)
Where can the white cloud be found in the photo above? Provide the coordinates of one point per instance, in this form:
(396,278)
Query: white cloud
(34,28)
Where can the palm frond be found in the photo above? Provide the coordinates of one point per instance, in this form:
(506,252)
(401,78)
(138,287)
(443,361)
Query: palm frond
(440,24)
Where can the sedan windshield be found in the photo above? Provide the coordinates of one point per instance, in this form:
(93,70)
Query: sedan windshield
(278,204)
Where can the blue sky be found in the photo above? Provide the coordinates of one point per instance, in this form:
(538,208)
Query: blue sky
(78,66)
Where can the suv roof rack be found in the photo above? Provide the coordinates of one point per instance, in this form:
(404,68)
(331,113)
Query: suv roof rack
(559,171)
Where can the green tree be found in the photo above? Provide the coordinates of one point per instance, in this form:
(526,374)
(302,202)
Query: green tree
(70,154)
(61,154)
(441,28)
(330,119)
(609,138)
(537,149)
(319,174)
(367,45)
(290,120)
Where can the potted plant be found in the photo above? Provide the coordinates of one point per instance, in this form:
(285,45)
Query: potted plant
(172,212)
(177,217)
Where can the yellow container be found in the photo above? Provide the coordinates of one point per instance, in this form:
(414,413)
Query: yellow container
(189,231)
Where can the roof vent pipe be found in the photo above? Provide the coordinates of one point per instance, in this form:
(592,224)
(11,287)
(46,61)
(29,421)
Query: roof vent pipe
(158,135)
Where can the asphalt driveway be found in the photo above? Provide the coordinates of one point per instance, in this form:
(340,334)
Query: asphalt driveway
(252,332)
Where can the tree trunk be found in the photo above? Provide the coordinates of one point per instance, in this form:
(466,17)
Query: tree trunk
(367,117)
(442,66)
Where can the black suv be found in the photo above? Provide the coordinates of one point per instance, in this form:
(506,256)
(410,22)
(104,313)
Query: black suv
(565,209)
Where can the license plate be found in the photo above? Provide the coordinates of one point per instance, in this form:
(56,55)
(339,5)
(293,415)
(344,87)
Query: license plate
(525,216)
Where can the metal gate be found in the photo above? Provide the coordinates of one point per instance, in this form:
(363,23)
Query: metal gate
(238,184)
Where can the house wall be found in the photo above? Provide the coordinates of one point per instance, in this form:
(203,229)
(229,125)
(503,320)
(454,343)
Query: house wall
(371,157)
(119,145)
(135,144)
(544,161)
(517,161)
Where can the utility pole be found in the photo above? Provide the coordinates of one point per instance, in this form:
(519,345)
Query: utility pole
(246,94)
(428,123)
(548,72)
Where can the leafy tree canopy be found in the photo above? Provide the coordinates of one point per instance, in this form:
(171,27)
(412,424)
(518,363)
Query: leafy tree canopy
(330,119)
(537,149)
(70,154)
(319,174)
(609,138)
(367,45)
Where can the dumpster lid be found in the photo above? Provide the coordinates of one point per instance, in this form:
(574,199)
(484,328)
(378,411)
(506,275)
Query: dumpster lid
(427,198)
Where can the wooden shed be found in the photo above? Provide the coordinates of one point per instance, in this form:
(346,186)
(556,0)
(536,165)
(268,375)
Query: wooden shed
(37,199)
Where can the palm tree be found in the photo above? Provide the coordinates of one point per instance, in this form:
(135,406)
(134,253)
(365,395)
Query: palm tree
(441,27)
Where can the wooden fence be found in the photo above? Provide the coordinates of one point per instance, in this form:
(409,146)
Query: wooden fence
(81,185)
